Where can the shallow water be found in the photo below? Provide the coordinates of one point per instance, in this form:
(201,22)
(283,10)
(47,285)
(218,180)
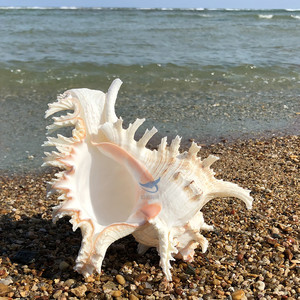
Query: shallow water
(202,74)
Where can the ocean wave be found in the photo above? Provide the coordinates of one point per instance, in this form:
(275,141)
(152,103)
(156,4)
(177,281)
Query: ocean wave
(295,17)
(292,9)
(265,16)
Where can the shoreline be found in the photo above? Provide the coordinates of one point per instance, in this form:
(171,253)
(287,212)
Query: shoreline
(253,253)
(291,130)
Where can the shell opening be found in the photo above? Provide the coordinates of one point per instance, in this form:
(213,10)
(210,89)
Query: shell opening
(112,191)
(104,190)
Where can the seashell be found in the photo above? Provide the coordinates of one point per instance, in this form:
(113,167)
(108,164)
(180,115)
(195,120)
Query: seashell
(112,185)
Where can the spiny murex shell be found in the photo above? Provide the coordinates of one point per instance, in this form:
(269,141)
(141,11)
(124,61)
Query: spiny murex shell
(113,186)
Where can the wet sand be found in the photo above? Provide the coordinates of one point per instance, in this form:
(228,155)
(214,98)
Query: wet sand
(251,255)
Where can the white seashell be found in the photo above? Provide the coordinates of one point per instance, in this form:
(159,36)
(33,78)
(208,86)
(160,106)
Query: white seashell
(113,186)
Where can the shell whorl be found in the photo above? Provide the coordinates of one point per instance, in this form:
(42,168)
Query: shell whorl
(113,185)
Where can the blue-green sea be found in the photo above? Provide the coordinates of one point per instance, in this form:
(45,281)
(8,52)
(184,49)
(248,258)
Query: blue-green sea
(202,74)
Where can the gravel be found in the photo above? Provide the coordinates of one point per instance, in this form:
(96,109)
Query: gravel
(252,254)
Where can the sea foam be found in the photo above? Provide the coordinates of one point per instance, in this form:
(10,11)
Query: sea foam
(265,16)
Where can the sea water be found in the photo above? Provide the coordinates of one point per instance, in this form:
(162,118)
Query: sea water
(202,74)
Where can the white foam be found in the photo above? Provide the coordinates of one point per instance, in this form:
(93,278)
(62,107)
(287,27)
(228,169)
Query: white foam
(292,9)
(205,16)
(295,17)
(265,16)
(69,7)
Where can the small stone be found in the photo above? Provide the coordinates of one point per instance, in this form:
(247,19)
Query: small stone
(190,270)
(272,241)
(7,281)
(24,294)
(25,257)
(63,265)
(238,295)
(289,255)
(281,249)
(146,292)
(105,278)
(121,280)
(260,285)
(69,282)
(90,279)
(142,277)
(109,285)
(275,231)
(240,257)
(133,297)
(4,289)
(265,261)
(178,291)
(116,293)
(216,282)
(148,285)
(228,248)
(79,291)
(57,294)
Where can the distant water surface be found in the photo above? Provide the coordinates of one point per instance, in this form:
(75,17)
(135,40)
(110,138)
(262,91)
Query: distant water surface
(202,74)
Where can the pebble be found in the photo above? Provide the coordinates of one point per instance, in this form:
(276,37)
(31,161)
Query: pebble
(57,294)
(4,289)
(260,285)
(25,257)
(69,282)
(133,297)
(216,282)
(289,255)
(142,277)
(7,281)
(240,257)
(228,248)
(146,292)
(116,293)
(178,291)
(110,285)
(275,231)
(63,266)
(238,295)
(121,280)
(79,291)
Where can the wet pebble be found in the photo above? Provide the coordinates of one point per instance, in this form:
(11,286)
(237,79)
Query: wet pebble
(63,266)
(121,280)
(25,257)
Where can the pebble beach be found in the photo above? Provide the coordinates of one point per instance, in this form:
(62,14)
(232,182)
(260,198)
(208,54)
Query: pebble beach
(251,255)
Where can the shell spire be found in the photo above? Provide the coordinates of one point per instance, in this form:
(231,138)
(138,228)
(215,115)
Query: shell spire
(113,185)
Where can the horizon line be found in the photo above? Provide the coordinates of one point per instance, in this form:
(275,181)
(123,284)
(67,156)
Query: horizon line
(141,8)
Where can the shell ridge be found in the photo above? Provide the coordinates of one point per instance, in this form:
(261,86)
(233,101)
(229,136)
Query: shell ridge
(111,97)
(166,247)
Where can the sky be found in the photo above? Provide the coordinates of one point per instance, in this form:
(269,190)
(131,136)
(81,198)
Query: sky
(255,4)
